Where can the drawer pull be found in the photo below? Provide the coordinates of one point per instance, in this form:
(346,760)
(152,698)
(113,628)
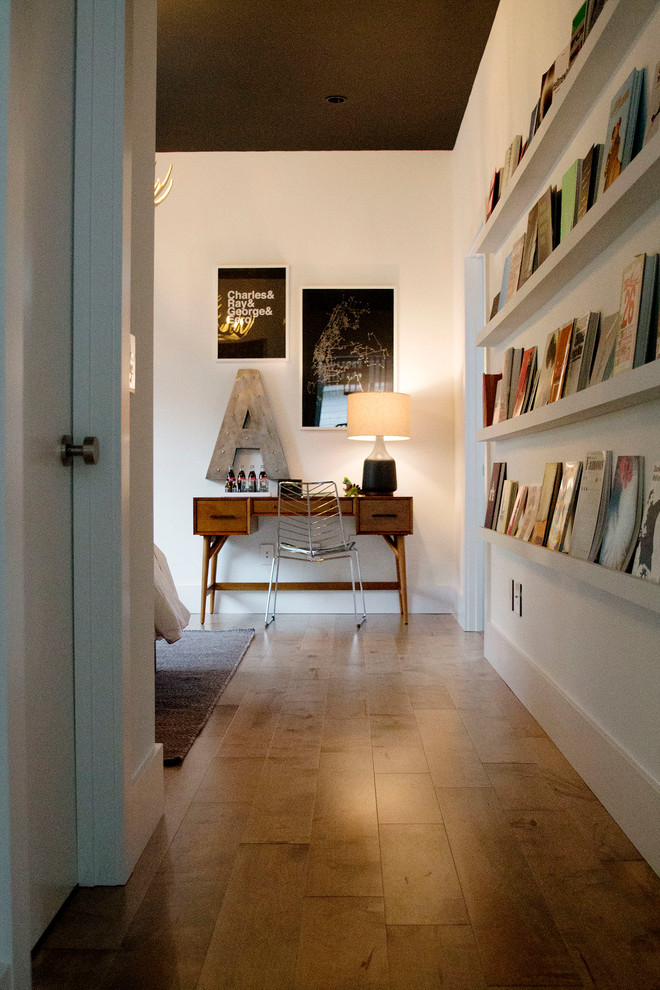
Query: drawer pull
(222,516)
(385,515)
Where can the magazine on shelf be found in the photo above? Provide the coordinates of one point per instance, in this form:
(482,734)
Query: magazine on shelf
(545,370)
(545,230)
(647,326)
(561,362)
(504,288)
(527,373)
(621,139)
(516,262)
(629,307)
(549,489)
(516,364)
(647,556)
(517,512)
(570,186)
(489,391)
(609,329)
(589,180)
(578,31)
(653,112)
(531,239)
(509,492)
(528,521)
(497,476)
(624,513)
(585,329)
(559,534)
(591,508)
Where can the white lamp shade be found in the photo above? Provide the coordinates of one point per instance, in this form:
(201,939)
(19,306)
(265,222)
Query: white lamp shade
(378,414)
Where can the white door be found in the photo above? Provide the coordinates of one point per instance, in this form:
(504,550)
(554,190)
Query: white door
(40,209)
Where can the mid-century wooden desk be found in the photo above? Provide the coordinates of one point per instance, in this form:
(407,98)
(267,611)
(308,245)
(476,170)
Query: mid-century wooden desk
(218,518)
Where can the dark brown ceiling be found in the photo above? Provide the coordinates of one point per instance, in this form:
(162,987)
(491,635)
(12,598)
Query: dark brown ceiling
(253,75)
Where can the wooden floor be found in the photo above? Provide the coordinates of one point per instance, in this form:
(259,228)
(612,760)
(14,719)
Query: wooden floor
(368,809)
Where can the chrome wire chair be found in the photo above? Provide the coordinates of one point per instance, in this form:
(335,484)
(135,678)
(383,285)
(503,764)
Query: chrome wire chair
(310,527)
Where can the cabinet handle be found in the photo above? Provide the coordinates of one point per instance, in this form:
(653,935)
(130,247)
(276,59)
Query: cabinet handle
(385,515)
(224,515)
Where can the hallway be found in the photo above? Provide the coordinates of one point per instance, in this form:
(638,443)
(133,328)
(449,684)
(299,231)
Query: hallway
(370,809)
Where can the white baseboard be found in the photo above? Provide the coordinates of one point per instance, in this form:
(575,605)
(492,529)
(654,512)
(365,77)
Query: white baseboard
(439,600)
(628,792)
(145,804)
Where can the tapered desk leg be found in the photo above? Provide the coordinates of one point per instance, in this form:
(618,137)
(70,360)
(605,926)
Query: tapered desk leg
(397,544)
(211,548)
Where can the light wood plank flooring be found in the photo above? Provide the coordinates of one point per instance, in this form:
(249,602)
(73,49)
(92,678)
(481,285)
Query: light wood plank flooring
(368,809)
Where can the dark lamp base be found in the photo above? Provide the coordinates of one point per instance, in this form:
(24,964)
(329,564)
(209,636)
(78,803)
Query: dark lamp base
(379,477)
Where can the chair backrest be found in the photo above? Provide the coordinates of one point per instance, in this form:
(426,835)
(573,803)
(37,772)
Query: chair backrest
(309,517)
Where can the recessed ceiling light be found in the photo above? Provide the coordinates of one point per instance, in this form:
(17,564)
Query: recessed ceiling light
(336,99)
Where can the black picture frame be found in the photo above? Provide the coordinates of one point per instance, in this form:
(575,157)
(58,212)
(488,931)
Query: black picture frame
(347,346)
(252,313)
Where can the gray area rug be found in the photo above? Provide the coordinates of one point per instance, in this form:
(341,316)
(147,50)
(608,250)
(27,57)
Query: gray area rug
(190,676)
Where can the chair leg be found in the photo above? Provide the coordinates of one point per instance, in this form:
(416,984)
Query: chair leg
(274,568)
(364,609)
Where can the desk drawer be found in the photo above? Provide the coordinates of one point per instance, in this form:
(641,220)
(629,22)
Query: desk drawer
(218,515)
(383,515)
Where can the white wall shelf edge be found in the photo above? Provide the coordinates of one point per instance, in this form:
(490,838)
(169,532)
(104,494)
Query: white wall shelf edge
(636,189)
(615,30)
(645,594)
(632,388)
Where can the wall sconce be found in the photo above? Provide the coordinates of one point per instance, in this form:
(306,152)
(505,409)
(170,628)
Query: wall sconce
(378,416)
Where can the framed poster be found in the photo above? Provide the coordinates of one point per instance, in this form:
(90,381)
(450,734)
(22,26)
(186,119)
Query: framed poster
(347,346)
(252,305)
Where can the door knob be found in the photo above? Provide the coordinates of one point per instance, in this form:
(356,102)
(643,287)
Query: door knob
(88,450)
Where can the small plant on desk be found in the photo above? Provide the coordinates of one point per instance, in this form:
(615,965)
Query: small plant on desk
(350,489)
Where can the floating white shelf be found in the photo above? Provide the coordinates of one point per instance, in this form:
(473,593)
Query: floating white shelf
(635,190)
(631,388)
(646,594)
(615,30)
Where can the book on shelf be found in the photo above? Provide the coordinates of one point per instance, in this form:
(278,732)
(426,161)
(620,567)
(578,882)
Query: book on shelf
(647,326)
(497,477)
(629,307)
(511,160)
(580,358)
(494,306)
(525,530)
(501,403)
(545,235)
(592,502)
(529,253)
(578,32)
(646,562)
(624,513)
(546,370)
(570,185)
(509,492)
(527,372)
(559,534)
(516,263)
(533,122)
(549,489)
(517,511)
(589,178)
(623,128)
(604,357)
(561,362)
(653,112)
(488,393)
(593,10)
(516,364)
(561,68)
(506,271)
(493,193)
(545,99)
(533,385)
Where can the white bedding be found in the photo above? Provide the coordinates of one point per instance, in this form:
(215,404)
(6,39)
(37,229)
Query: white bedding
(170,614)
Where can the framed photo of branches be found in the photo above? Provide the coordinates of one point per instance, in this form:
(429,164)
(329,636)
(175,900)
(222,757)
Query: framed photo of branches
(347,346)
(252,311)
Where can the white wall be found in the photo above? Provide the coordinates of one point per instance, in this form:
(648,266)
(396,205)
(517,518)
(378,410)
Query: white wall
(335,219)
(584,662)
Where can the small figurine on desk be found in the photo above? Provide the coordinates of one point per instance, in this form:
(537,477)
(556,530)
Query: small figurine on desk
(350,489)
(230,485)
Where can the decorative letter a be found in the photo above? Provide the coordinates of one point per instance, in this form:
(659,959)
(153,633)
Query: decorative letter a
(248,423)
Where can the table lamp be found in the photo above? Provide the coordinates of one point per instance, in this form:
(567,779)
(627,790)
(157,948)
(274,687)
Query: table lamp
(378,416)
